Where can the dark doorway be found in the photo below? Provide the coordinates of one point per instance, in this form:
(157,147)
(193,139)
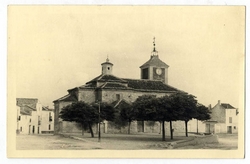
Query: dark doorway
(33,129)
(229,129)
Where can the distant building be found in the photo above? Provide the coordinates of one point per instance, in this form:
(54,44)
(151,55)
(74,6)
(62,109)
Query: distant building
(23,121)
(33,118)
(112,89)
(224,119)
(47,120)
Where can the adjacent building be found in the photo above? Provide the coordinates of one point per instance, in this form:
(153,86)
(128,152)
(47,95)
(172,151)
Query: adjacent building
(23,120)
(33,118)
(224,119)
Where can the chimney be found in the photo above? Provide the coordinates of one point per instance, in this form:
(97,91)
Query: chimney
(219,102)
(209,106)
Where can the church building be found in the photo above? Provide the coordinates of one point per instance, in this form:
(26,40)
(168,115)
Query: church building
(112,89)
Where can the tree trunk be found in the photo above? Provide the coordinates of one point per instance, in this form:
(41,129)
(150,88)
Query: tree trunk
(163,131)
(160,128)
(91,131)
(171,130)
(97,129)
(186,128)
(197,127)
(142,126)
(82,128)
(129,123)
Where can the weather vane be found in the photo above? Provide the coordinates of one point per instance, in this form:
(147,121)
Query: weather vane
(154,44)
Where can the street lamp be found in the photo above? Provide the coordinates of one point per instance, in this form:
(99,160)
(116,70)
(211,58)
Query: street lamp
(99,126)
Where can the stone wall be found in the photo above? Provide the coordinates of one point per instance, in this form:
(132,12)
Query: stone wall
(70,127)
(113,129)
(109,96)
(57,121)
(192,126)
(87,95)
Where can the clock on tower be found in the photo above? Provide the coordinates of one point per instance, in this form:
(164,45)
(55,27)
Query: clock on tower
(154,68)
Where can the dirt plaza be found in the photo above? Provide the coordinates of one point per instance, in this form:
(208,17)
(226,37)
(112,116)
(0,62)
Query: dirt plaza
(119,142)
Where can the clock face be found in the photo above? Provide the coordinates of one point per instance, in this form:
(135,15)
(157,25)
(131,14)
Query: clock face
(158,71)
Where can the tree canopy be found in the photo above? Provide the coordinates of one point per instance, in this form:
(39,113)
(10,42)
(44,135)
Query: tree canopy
(187,104)
(143,107)
(177,106)
(87,115)
(203,113)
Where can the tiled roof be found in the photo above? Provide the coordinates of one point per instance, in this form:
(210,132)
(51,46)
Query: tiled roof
(114,86)
(27,101)
(154,61)
(89,85)
(107,63)
(105,78)
(227,106)
(113,82)
(68,97)
(149,85)
(27,109)
(22,112)
(44,108)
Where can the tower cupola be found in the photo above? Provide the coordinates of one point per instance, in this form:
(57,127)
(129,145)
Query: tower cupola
(107,67)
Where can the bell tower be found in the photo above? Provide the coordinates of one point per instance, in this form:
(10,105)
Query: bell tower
(107,67)
(154,68)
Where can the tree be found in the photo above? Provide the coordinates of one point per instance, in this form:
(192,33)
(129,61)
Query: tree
(80,112)
(156,109)
(160,108)
(107,111)
(127,114)
(187,103)
(203,113)
(141,108)
(165,112)
(87,115)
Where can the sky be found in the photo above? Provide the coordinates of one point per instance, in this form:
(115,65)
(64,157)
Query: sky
(55,48)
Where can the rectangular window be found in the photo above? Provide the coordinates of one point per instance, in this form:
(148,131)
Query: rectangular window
(118,96)
(50,116)
(145,73)
(230,119)
(21,129)
(19,118)
(49,127)
(39,121)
